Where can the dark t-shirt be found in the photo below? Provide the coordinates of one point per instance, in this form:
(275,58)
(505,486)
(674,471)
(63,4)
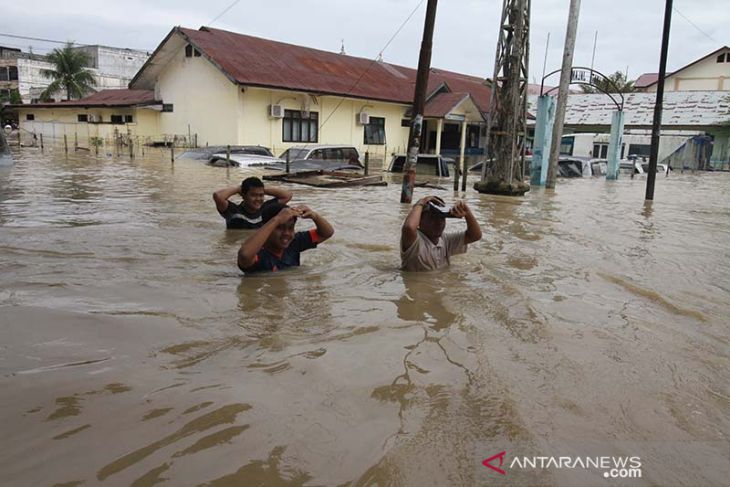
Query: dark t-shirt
(238,218)
(267,261)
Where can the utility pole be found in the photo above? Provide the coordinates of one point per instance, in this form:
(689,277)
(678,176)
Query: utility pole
(656,124)
(565,75)
(419,100)
(503,173)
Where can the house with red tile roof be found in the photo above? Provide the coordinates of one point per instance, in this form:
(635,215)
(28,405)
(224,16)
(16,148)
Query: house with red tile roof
(218,87)
(230,88)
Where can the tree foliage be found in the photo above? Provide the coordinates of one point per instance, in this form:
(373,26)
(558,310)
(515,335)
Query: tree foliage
(70,73)
(13,98)
(613,83)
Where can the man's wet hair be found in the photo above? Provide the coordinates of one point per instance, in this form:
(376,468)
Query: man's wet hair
(252,182)
(271,210)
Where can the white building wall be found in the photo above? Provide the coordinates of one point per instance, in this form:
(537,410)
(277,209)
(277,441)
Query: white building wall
(115,71)
(707,75)
(116,62)
(205,102)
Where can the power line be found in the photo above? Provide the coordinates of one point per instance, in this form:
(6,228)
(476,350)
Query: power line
(349,91)
(42,40)
(695,26)
(224,11)
(56,41)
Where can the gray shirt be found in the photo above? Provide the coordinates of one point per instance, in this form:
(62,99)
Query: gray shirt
(423,255)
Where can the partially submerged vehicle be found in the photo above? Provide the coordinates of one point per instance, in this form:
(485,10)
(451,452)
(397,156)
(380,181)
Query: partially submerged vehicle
(240,156)
(323,152)
(427,164)
(581,167)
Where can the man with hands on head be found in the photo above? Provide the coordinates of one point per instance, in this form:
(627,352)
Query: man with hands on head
(275,245)
(247,215)
(423,244)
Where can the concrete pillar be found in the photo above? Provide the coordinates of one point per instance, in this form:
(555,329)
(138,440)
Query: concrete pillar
(614,144)
(439,129)
(543,138)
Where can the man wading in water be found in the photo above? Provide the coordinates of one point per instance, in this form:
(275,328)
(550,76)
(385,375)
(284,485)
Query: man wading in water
(247,215)
(423,245)
(275,246)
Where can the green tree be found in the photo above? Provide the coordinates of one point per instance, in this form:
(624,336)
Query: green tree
(13,98)
(617,84)
(70,73)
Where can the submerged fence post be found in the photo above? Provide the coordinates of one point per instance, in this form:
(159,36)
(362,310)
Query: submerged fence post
(288,155)
(172,152)
(65,143)
(228,156)
(76,142)
(367,162)
(41,141)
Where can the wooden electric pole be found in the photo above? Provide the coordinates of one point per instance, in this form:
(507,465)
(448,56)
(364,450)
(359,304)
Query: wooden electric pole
(419,100)
(657,122)
(565,75)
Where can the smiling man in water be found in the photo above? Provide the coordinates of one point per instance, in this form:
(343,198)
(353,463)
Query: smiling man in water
(275,245)
(423,245)
(247,214)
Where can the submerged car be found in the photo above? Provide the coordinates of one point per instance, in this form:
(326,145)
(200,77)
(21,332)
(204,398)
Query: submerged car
(427,164)
(240,156)
(322,152)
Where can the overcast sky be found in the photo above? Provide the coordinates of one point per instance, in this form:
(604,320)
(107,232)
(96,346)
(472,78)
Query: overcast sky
(629,31)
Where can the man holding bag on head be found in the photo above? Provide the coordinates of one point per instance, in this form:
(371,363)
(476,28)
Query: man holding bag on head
(423,244)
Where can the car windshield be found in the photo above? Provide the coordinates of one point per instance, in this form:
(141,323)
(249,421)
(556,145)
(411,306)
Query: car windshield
(294,154)
(426,166)
(570,169)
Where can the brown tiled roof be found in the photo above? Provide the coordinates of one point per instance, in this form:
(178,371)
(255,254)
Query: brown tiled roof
(646,79)
(103,98)
(253,61)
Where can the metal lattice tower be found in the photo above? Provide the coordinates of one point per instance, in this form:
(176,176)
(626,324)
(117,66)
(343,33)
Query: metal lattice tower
(506,122)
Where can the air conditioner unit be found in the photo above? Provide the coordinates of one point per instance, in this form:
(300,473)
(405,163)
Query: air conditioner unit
(276,111)
(363,118)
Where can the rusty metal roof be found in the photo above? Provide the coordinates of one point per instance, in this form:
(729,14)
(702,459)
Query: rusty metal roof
(646,79)
(441,104)
(681,109)
(253,61)
(103,98)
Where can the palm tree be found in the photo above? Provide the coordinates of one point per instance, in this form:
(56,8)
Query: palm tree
(618,85)
(70,73)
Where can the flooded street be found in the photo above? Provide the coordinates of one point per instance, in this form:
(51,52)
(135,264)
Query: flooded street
(133,352)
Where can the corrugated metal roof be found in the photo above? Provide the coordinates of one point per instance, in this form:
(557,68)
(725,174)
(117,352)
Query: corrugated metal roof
(441,104)
(646,79)
(253,61)
(680,109)
(103,98)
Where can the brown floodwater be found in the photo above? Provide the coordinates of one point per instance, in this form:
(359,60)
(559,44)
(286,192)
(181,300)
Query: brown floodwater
(133,352)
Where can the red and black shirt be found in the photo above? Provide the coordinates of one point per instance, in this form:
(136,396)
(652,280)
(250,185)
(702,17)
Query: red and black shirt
(269,261)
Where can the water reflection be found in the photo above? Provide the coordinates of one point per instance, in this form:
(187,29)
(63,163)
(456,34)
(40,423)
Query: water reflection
(423,300)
